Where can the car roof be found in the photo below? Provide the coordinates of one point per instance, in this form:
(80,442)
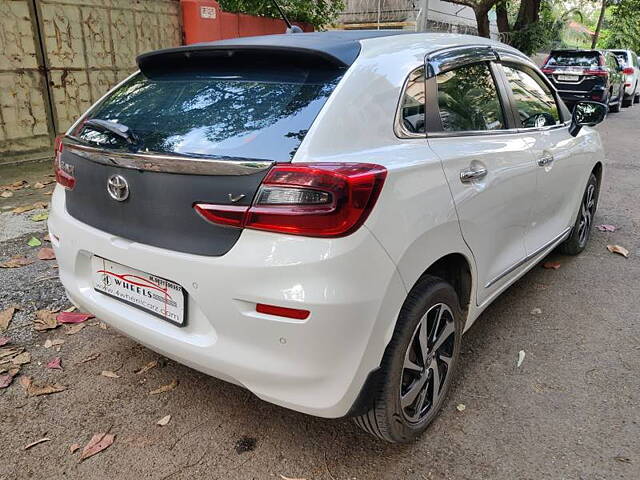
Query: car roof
(340,47)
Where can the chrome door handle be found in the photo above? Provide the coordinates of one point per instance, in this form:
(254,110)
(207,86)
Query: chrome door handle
(546,160)
(472,173)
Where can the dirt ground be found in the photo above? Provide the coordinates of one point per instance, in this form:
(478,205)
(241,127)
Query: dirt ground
(571,411)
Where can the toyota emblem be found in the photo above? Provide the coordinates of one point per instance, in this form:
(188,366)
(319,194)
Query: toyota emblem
(118,188)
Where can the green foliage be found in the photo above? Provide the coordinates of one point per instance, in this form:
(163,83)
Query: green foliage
(317,12)
(622,27)
(541,35)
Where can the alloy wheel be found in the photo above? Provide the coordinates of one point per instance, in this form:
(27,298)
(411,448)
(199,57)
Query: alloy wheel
(586,214)
(427,362)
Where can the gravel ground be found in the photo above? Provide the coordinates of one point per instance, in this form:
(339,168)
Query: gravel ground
(569,412)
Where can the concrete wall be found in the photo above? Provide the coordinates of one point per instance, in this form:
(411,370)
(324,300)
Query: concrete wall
(57,57)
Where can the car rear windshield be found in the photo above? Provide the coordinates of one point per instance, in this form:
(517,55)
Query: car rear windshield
(248,114)
(574,59)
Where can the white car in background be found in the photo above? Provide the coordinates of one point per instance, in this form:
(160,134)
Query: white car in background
(319,217)
(631,71)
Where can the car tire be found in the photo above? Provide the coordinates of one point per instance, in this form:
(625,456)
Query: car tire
(405,400)
(581,231)
(615,108)
(636,98)
(627,102)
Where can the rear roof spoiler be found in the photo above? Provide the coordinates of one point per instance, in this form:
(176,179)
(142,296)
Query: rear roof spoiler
(339,58)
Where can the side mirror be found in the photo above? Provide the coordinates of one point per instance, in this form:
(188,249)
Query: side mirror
(586,114)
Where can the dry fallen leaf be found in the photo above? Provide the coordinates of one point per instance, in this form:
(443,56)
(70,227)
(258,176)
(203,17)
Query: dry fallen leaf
(24,208)
(551,265)
(10,351)
(46,253)
(33,444)
(39,217)
(147,367)
(37,390)
(54,363)
(5,380)
(91,357)
(17,262)
(74,447)
(34,390)
(53,343)
(24,357)
(70,309)
(165,388)
(6,194)
(103,325)
(109,374)
(461,407)
(164,420)
(45,320)
(619,250)
(38,185)
(521,356)
(5,317)
(98,443)
(291,478)
(73,317)
(607,228)
(74,329)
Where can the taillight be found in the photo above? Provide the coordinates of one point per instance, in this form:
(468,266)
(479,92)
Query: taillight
(316,200)
(286,312)
(628,71)
(596,73)
(547,70)
(64,171)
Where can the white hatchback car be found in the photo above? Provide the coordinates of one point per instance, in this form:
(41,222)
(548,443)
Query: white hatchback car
(319,217)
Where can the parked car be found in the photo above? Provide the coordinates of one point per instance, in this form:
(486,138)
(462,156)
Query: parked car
(319,217)
(586,75)
(629,61)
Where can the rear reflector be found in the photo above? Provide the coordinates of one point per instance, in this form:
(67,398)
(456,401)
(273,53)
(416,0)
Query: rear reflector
(282,311)
(63,171)
(628,71)
(316,200)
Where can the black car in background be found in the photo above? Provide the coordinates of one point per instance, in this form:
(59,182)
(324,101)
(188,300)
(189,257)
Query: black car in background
(586,75)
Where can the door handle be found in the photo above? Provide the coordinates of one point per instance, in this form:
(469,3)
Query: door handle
(546,160)
(472,173)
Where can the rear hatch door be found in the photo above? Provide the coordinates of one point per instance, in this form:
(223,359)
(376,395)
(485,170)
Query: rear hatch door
(205,125)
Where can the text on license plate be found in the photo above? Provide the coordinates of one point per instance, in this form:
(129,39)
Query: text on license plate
(568,78)
(158,296)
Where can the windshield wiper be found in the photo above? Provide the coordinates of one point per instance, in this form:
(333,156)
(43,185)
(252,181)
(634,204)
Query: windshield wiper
(116,128)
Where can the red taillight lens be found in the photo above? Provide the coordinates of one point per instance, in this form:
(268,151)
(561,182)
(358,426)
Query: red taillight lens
(547,70)
(63,171)
(597,73)
(282,311)
(628,71)
(317,200)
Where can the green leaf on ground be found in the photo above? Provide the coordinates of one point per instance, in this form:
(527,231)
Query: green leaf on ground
(38,217)
(34,242)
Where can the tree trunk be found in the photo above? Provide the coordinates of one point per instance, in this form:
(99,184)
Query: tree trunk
(594,42)
(502,17)
(482,19)
(527,14)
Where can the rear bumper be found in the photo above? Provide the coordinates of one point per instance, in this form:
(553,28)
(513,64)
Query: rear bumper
(316,366)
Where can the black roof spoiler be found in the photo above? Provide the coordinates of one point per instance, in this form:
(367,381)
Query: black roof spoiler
(338,49)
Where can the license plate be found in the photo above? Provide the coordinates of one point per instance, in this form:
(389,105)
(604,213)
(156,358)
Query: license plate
(568,78)
(158,296)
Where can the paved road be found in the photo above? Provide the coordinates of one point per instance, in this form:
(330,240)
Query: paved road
(570,412)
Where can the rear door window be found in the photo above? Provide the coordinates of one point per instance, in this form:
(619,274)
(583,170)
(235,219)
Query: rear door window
(412,107)
(239,115)
(535,103)
(468,99)
(573,59)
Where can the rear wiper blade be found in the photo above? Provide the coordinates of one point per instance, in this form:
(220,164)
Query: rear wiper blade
(116,128)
